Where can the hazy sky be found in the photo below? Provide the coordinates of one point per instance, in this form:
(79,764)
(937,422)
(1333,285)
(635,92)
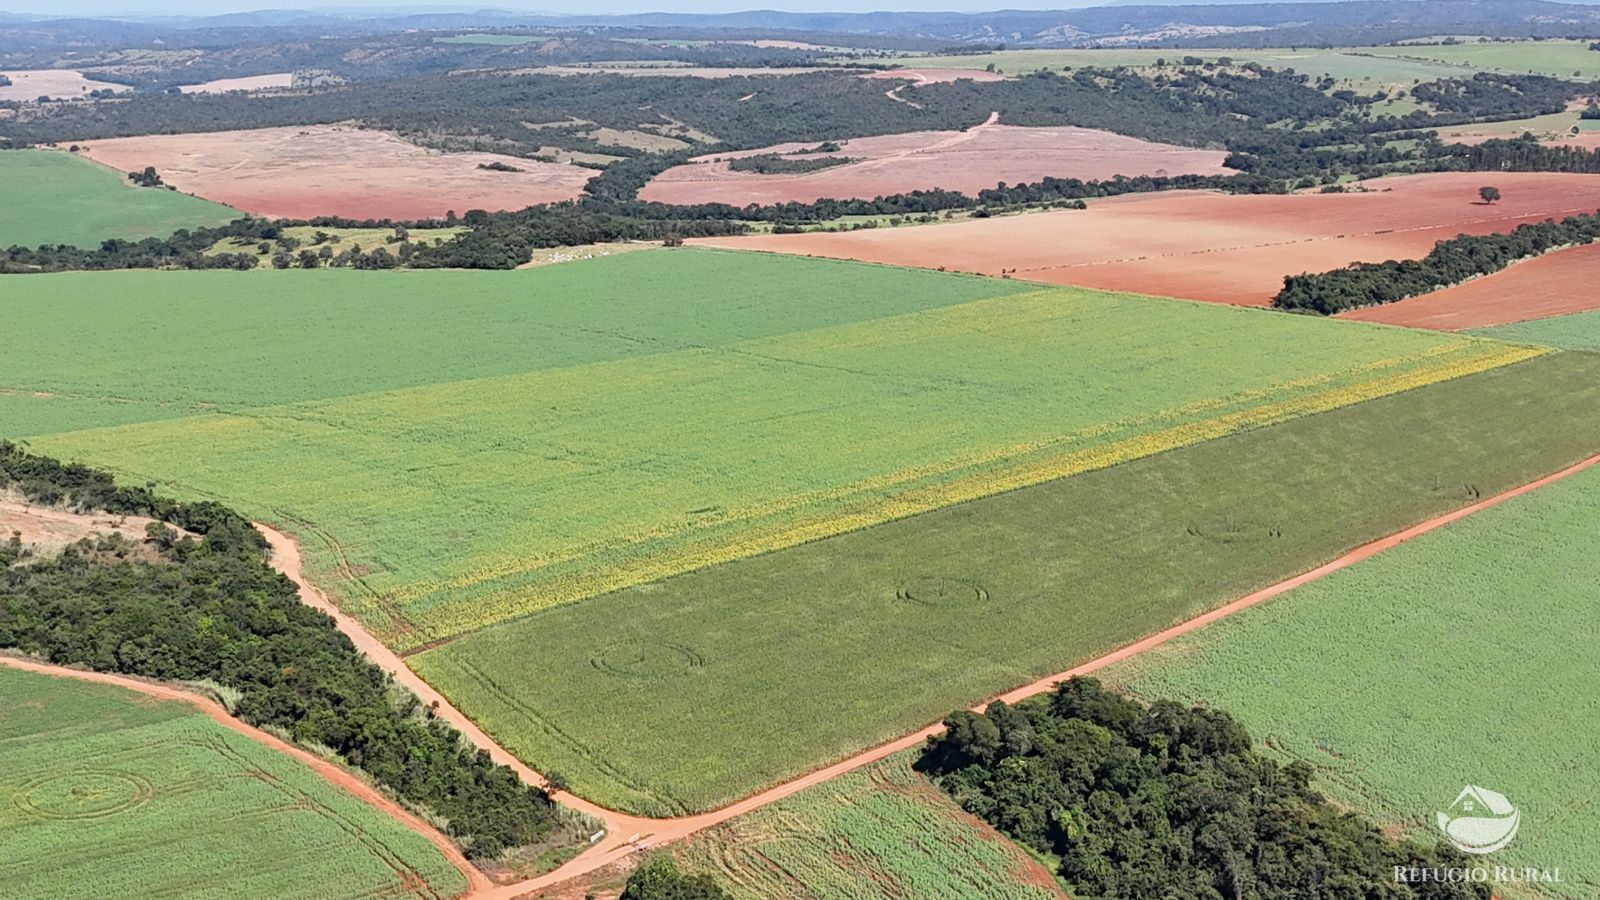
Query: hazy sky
(590,7)
(568,7)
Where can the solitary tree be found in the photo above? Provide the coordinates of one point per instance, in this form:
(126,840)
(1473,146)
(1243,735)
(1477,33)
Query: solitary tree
(1489,194)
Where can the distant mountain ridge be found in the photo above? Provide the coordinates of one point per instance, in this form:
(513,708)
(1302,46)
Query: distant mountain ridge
(1121,23)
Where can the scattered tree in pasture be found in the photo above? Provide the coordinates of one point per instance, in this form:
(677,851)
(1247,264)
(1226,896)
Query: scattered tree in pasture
(1489,194)
(146,177)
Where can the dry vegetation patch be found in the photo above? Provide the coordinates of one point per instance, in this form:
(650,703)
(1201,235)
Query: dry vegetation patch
(339,170)
(57,84)
(967,161)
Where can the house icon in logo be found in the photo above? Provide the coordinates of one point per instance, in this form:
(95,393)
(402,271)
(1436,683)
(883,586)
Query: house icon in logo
(1480,820)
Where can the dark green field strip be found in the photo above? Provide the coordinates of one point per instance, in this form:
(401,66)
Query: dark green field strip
(1579,331)
(711,685)
(158,345)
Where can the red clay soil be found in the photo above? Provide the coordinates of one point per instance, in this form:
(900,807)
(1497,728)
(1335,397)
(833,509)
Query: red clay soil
(338,170)
(1556,284)
(627,834)
(331,773)
(966,161)
(1207,246)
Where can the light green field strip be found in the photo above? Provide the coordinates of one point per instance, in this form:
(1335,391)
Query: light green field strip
(1465,656)
(693,691)
(50,197)
(1353,65)
(881,831)
(1580,331)
(1558,59)
(124,347)
(109,793)
(556,485)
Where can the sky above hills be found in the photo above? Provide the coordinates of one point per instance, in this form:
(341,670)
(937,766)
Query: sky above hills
(144,8)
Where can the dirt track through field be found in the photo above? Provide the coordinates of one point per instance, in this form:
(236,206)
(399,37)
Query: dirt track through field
(329,772)
(627,834)
(968,161)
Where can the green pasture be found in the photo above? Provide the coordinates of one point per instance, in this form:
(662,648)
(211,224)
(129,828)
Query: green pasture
(114,794)
(1465,656)
(1558,59)
(1579,331)
(52,197)
(879,831)
(1359,68)
(572,430)
(337,239)
(690,692)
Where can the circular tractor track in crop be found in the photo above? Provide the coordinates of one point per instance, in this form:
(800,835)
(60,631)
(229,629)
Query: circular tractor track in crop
(1232,530)
(84,794)
(647,659)
(936,590)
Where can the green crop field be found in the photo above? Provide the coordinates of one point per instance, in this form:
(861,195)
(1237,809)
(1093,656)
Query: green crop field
(1559,59)
(881,831)
(695,690)
(1465,656)
(460,449)
(50,197)
(1579,331)
(110,793)
(1354,67)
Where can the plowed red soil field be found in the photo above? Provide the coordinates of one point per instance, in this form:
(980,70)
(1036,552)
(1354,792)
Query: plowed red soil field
(337,170)
(1208,246)
(966,161)
(1555,284)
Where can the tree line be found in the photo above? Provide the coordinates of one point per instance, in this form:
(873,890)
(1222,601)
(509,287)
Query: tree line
(209,608)
(1136,801)
(1450,262)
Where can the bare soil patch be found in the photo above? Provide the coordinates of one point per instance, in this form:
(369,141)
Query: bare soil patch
(46,529)
(1207,246)
(966,161)
(247,83)
(1555,284)
(338,170)
(57,84)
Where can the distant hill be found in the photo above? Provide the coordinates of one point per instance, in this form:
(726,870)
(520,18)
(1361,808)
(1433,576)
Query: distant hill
(1163,23)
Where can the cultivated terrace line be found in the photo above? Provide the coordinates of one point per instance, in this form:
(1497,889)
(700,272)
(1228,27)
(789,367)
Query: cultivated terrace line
(627,834)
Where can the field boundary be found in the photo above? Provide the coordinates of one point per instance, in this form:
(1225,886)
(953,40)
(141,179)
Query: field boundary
(336,777)
(627,834)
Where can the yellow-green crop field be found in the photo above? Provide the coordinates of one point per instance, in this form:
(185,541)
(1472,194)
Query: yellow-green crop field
(459,453)
(881,831)
(1465,656)
(690,692)
(109,793)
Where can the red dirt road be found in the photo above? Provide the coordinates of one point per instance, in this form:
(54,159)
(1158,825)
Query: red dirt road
(1206,246)
(333,774)
(629,834)
(1556,284)
(966,161)
(338,170)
